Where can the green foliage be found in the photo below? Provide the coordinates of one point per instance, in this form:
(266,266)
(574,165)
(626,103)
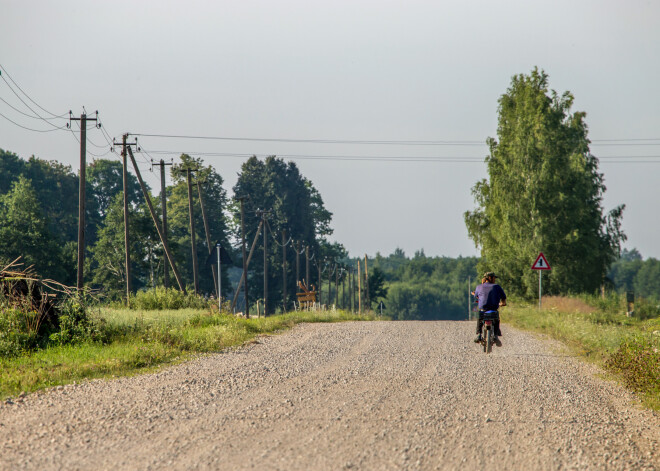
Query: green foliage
(178,215)
(135,346)
(107,261)
(544,193)
(24,231)
(76,324)
(631,273)
(638,362)
(377,289)
(160,298)
(16,334)
(296,206)
(627,346)
(425,287)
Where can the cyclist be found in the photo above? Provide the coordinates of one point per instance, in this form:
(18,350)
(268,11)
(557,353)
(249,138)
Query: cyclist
(490,296)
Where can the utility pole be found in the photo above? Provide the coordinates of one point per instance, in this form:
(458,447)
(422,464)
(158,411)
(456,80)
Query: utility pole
(283,271)
(207,232)
(318,266)
(81,191)
(366,284)
(330,287)
(307,280)
(263,221)
(247,264)
(154,218)
(163,203)
(244,277)
(336,285)
(125,146)
(192,231)
(359,289)
(297,247)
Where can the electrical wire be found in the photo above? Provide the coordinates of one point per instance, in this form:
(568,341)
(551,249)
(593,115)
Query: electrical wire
(316,141)
(28,96)
(28,106)
(32,129)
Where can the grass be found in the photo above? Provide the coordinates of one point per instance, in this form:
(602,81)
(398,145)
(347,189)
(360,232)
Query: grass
(139,341)
(599,330)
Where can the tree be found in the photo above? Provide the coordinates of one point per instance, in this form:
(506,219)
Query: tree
(215,204)
(295,206)
(24,231)
(108,261)
(544,193)
(377,288)
(104,183)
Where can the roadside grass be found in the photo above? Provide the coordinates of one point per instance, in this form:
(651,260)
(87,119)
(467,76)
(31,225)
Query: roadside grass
(139,341)
(599,330)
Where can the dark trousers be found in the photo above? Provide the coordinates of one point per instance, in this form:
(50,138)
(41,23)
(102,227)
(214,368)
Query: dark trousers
(496,324)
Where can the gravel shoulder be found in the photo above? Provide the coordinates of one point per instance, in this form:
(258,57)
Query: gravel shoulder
(357,395)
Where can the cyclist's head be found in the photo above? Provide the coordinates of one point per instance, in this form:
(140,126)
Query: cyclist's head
(490,276)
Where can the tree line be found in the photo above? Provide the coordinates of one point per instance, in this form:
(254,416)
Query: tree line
(39,208)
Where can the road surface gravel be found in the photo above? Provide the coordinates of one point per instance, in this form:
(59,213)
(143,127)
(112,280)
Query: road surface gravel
(353,396)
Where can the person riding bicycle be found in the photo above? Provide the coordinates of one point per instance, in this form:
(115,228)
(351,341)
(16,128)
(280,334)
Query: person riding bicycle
(490,296)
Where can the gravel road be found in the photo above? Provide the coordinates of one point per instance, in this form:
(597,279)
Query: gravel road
(359,395)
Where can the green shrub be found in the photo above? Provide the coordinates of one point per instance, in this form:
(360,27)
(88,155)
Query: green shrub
(160,298)
(638,362)
(76,325)
(16,336)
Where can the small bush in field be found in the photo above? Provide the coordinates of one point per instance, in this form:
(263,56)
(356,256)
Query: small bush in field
(638,361)
(76,325)
(15,335)
(160,298)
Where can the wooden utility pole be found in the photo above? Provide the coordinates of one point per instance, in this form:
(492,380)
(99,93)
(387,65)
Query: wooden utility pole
(307,280)
(124,147)
(244,275)
(297,248)
(192,232)
(318,265)
(207,232)
(163,203)
(359,289)
(81,193)
(283,271)
(240,282)
(263,221)
(330,287)
(163,240)
(366,283)
(336,285)
(343,289)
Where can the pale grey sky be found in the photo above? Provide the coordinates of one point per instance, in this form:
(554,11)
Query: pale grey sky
(344,70)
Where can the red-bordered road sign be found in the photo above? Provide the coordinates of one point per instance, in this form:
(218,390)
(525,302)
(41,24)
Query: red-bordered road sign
(541,263)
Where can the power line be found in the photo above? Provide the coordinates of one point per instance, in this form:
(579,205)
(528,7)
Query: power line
(28,96)
(315,141)
(449,159)
(32,129)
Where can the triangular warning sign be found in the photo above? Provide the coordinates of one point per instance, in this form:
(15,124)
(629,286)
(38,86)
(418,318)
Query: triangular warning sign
(541,263)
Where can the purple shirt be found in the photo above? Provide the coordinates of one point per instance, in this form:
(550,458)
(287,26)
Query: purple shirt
(489,296)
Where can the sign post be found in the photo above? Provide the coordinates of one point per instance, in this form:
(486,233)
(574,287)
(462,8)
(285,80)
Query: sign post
(541,264)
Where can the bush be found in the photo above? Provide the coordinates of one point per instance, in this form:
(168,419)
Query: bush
(76,325)
(160,298)
(16,336)
(638,362)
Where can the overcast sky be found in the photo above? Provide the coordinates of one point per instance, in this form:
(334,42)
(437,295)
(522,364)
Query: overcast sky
(343,71)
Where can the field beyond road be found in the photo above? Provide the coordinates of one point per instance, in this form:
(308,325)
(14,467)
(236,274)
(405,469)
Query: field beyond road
(355,395)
